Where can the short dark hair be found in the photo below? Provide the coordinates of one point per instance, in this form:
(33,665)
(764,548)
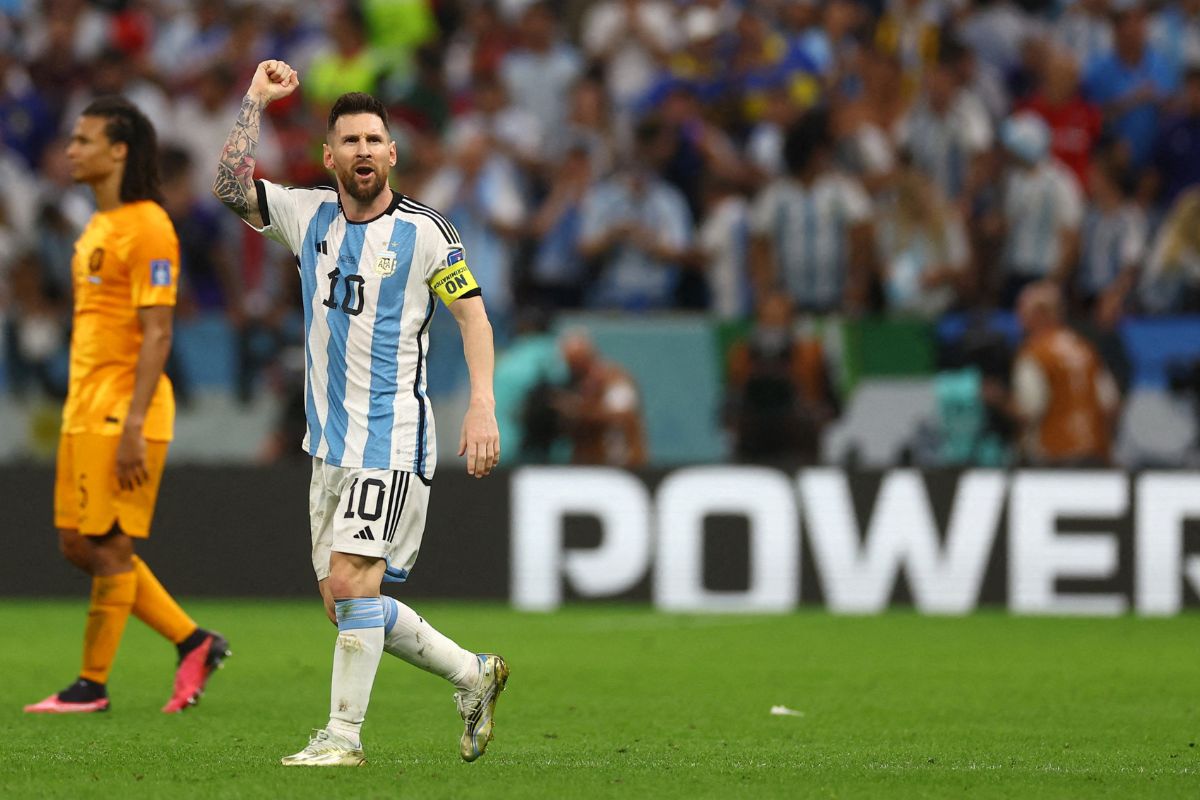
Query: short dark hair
(358,103)
(804,139)
(125,123)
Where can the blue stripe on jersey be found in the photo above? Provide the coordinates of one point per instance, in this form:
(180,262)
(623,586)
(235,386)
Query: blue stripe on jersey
(811,264)
(385,342)
(336,418)
(419,393)
(309,286)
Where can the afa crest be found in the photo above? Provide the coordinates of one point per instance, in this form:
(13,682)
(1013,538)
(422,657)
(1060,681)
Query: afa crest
(385,265)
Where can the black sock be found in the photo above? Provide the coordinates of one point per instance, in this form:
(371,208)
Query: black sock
(194,640)
(83,691)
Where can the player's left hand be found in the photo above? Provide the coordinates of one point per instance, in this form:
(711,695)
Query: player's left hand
(480,440)
(131,459)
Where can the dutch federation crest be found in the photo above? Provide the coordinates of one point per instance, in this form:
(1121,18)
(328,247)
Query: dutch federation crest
(386,263)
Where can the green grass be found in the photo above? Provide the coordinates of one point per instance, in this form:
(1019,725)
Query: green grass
(625,702)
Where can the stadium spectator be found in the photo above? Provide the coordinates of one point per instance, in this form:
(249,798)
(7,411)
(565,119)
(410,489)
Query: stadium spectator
(995,31)
(823,32)
(1131,83)
(17,214)
(207,280)
(1074,122)
(763,150)
(911,31)
(349,64)
(698,147)
(811,227)
(296,33)
(477,47)
(397,29)
(1043,208)
(189,39)
(80,27)
(557,277)
(599,409)
(540,72)
(763,63)
(1084,28)
(34,333)
(1176,164)
(629,39)
(478,192)
(26,116)
(1063,396)
(113,74)
(923,249)
(513,131)
(60,211)
(636,230)
(948,129)
(1175,33)
(1171,280)
(1112,243)
(779,395)
(867,122)
(722,249)
(589,123)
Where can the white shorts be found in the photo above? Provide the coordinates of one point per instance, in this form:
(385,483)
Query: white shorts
(378,513)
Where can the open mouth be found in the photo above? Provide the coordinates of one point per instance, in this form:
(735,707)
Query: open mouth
(364,171)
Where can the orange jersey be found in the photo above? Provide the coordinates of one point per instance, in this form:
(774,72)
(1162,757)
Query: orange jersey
(126,259)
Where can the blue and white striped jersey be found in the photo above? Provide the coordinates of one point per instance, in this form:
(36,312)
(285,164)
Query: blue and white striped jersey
(368,294)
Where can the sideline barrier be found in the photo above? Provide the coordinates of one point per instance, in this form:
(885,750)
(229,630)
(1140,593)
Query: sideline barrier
(703,539)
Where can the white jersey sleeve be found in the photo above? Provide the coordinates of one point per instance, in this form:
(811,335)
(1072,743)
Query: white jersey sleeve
(286,211)
(441,257)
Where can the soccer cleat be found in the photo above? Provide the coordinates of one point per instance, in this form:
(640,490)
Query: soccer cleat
(54,705)
(477,706)
(326,749)
(81,697)
(194,670)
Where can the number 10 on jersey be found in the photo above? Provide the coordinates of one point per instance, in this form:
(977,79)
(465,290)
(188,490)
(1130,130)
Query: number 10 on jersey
(353,297)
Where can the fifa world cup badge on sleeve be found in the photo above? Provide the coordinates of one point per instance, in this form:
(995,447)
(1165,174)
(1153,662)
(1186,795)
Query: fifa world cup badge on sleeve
(454,280)
(160,272)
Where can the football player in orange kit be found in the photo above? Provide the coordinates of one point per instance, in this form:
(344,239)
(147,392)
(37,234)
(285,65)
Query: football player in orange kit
(120,411)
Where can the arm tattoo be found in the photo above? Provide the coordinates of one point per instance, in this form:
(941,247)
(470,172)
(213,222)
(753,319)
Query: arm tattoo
(234,184)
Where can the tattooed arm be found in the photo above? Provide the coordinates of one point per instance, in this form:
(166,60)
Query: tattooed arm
(234,184)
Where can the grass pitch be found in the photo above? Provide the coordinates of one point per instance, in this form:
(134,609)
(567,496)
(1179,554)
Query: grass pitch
(625,702)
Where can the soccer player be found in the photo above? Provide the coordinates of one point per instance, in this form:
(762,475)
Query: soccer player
(120,411)
(372,265)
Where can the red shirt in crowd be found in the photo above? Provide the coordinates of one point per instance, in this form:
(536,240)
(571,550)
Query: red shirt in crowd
(1075,127)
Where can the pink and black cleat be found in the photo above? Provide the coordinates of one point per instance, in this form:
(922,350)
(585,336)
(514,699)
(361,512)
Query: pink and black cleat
(195,668)
(81,697)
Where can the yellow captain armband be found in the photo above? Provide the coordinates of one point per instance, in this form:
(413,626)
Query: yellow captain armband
(453,282)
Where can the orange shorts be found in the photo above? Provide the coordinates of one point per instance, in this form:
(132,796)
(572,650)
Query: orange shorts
(87,497)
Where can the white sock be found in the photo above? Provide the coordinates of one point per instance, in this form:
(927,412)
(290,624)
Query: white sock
(411,638)
(355,660)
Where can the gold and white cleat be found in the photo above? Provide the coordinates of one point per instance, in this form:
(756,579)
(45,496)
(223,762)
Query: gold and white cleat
(477,706)
(326,749)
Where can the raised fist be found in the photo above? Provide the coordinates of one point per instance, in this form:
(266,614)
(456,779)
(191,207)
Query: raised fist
(273,80)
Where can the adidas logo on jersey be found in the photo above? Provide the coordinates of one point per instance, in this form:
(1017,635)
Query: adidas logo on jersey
(322,247)
(365,533)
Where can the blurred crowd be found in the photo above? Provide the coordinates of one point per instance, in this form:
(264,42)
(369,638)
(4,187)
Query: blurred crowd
(749,159)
